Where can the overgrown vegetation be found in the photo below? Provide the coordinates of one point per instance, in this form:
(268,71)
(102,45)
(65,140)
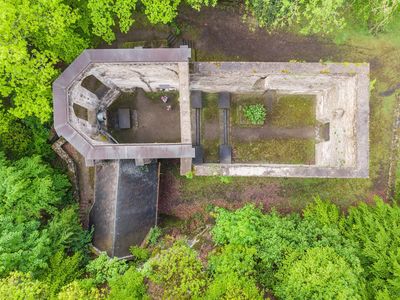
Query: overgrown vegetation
(285,151)
(291,111)
(318,254)
(255,113)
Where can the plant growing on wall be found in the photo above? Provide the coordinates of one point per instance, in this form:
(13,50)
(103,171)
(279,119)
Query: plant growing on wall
(255,113)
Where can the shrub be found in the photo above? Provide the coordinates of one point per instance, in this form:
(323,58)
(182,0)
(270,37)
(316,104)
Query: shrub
(319,273)
(233,270)
(255,113)
(233,259)
(130,285)
(374,230)
(21,286)
(238,227)
(103,268)
(140,254)
(63,270)
(323,212)
(77,291)
(274,236)
(233,286)
(178,271)
(154,234)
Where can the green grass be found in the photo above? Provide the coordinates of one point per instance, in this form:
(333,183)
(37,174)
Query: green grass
(210,114)
(211,150)
(280,151)
(210,107)
(291,111)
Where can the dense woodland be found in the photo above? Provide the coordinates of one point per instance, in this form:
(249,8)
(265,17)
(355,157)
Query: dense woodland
(320,253)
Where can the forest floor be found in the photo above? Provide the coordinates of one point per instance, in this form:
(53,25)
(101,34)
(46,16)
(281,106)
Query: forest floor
(221,34)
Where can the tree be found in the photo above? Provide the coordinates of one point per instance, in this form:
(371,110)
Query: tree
(32,226)
(161,11)
(319,273)
(375,15)
(29,188)
(34,35)
(311,16)
(102,15)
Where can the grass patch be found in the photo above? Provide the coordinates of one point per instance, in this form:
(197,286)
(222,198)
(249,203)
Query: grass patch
(211,150)
(210,107)
(280,151)
(291,111)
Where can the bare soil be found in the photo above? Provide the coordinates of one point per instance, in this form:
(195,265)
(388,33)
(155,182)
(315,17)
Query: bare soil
(221,31)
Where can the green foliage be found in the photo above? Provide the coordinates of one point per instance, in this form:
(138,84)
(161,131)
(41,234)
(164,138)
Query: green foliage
(318,273)
(198,4)
(140,254)
(225,179)
(323,212)
(240,227)
(161,11)
(275,236)
(375,15)
(178,271)
(255,113)
(66,232)
(34,35)
(62,270)
(233,270)
(23,246)
(102,15)
(128,286)
(77,291)
(20,286)
(32,226)
(233,286)
(154,234)
(323,16)
(103,268)
(189,175)
(29,188)
(375,231)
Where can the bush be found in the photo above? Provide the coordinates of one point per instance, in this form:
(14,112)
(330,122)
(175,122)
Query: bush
(128,286)
(154,234)
(63,270)
(233,286)
(103,268)
(78,291)
(255,113)
(319,273)
(18,286)
(178,271)
(274,236)
(374,230)
(233,270)
(140,255)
